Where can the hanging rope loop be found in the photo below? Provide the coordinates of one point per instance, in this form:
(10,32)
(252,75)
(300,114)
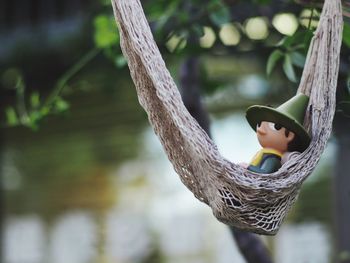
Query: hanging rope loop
(250,201)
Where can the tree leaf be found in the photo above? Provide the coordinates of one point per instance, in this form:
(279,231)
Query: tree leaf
(298,59)
(289,69)
(272,60)
(300,38)
(35,117)
(346,34)
(35,99)
(61,105)
(11,116)
(220,15)
(284,42)
(198,30)
(105,34)
(120,61)
(10,78)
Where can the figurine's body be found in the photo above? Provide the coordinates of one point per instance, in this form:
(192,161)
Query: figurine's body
(265,161)
(279,131)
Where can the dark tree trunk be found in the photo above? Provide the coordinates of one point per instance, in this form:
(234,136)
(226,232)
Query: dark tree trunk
(342,194)
(341,182)
(251,247)
(190,92)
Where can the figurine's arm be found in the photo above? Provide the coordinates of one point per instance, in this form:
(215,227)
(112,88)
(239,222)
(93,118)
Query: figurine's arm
(270,165)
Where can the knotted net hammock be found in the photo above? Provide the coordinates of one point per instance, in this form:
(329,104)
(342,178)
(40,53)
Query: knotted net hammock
(238,197)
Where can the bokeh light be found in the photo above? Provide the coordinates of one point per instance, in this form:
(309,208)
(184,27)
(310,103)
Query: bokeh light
(285,23)
(305,16)
(229,35)
(208,39)
(256,28)
(176,42)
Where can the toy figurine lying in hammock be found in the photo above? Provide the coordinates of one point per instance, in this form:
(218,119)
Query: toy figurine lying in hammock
(280,132)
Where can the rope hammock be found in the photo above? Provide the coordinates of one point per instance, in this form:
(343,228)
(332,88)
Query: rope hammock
(238,197)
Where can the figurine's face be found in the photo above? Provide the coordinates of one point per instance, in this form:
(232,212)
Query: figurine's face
(274,136)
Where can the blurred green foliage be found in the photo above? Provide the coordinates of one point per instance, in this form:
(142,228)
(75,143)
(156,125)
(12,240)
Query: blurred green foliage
(69,162)
(292,51)
(105,34)
(29,110)
(185,21)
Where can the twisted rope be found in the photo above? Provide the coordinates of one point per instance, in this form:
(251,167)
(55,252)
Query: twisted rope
(250,201)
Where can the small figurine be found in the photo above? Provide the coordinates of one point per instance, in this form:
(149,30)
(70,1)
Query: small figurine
(279,131)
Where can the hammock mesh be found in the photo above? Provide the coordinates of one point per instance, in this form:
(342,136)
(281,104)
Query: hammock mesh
(238,197)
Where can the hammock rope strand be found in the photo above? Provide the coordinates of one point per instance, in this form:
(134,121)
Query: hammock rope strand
(237,197)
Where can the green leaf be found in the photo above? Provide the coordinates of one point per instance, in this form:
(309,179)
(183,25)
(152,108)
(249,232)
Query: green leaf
(161,11)
(35,99)
(346,34)
(120,61)
(289,69)
(11,116)
(106,32)
(183,17)
(220,14)
(44,111)
(163,14)
(35,117)
(301,38)
(105,2)
(272,60)
(61,105)
(198,30)
(10,78)
(285,42)
(298,59)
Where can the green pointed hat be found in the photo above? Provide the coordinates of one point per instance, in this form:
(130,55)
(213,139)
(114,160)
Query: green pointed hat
(289,115)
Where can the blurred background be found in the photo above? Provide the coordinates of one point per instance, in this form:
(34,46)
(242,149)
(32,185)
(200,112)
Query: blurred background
(83,177)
